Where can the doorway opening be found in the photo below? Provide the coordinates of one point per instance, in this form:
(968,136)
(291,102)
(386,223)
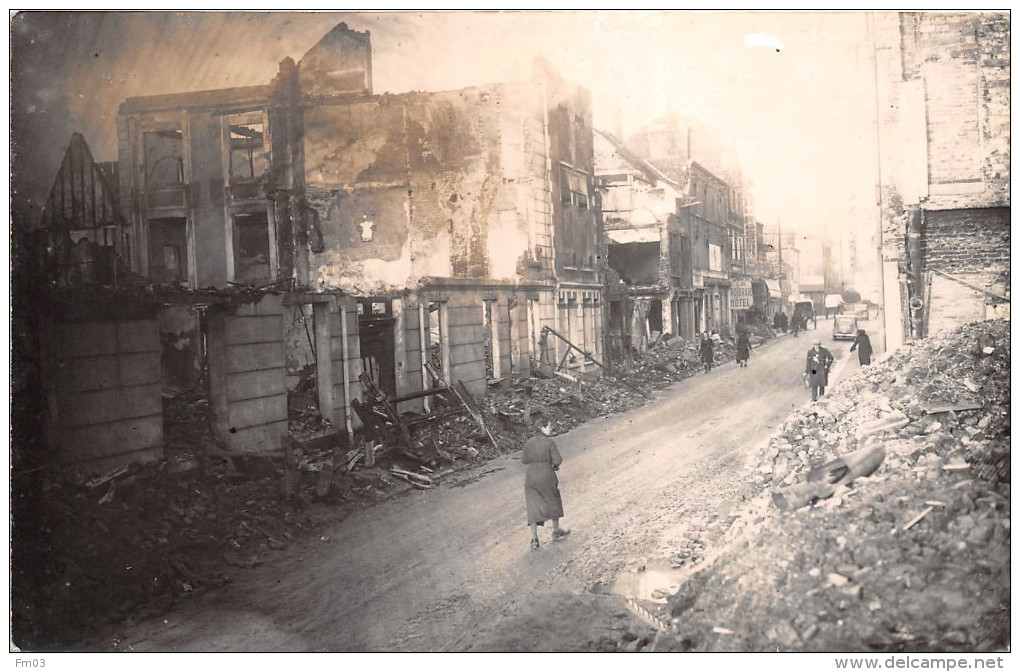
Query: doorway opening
(376,324)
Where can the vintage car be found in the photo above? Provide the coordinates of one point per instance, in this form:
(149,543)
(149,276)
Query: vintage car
(859,310)
(844,327)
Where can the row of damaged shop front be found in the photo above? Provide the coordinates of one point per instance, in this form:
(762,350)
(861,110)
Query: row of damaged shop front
(273,262)
(683,256)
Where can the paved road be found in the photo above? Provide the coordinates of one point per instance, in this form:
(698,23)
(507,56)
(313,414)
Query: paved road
(451,568)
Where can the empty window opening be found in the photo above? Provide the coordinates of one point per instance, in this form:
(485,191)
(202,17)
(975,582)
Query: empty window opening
(304,416)
(164,158)
(435,342)
(490,340)
(247,152)
(251,248)
(183,335)
(375,325)
(168,250)
(655,317)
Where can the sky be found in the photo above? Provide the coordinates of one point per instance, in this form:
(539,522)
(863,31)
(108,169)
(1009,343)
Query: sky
(791,93)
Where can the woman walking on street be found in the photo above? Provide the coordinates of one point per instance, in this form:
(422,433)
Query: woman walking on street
(706,351)
(541,487)
(862,343)
(743,349)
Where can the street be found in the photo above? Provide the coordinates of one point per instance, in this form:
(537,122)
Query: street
(451,569)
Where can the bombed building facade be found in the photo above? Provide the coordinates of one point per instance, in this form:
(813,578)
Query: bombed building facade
(423,239)
(943,100)
(646,246)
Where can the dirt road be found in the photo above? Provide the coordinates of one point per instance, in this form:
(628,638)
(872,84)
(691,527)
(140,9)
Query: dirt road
(451,568)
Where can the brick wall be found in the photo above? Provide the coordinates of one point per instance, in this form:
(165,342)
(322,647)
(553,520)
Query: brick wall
(964,62)
(972,245)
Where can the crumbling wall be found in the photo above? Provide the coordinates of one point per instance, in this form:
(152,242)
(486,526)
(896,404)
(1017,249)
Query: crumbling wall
(637,263)
(964,62)
(340,63)
(411,186)
(248,374)
(526,163)
(104,393)
(972,245)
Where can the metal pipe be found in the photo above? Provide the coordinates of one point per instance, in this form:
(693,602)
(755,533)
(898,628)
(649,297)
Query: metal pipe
(347,373)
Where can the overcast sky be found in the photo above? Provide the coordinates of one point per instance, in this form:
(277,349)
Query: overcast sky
(801,119)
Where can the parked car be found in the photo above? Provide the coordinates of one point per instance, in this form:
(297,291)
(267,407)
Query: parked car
(844,327)
(858,310)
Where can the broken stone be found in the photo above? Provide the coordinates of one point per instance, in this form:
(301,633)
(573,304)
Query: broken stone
(838,580)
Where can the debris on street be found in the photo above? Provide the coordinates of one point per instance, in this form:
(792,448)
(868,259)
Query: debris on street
(909,548)
(134,542)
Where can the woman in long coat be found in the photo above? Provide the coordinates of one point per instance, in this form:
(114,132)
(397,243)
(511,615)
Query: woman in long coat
(706,351)
(743,348)
(862,343)
(541,487)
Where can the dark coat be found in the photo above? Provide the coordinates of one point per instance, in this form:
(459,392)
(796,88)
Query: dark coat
(706,350)
(862,343)
(541,487)
(743,347)
(817,367)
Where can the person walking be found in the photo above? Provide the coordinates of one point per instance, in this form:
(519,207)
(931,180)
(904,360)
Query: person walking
(816,370)
(862,343)
(743,349)
(706,351)
(541,487)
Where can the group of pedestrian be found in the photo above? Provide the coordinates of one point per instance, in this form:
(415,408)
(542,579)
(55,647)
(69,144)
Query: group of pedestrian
(541,486)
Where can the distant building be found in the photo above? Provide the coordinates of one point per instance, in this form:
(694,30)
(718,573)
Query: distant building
(944,134)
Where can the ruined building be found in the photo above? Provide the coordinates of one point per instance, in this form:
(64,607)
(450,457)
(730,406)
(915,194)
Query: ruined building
(943,117)
(647,248)
(386,231)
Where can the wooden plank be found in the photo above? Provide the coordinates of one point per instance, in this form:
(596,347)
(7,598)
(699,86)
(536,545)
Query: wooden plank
(256,384)
(254,329)
(253,412)
(104,465)
(98,407)
(254,356)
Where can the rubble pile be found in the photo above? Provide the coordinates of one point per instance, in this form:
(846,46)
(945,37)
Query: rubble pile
(134,542)
(914,556)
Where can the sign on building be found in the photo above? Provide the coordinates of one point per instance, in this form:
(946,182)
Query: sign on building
(741,294)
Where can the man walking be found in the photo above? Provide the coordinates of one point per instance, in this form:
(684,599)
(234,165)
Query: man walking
(816,370)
